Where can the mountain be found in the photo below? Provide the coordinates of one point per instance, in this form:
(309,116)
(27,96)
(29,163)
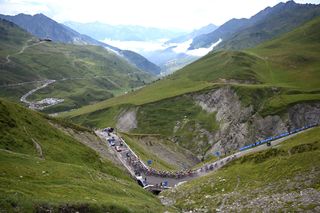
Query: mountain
(47,165)
(169,60)
(83,74)
(270,180)
(101,31)
(203,30)
(227,98)
(265,25)
(225,30)
(41,26)
(175,53)
(141,62)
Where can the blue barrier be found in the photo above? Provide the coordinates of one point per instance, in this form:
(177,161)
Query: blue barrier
(279,136)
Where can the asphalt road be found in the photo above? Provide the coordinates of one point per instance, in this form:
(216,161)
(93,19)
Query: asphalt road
(156,180)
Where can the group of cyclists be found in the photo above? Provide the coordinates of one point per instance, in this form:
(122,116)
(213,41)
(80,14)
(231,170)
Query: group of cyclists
(140,168)
(215,165)
(170,174)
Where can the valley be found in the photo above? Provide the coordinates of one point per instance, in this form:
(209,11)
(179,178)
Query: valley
(211,118)
(82,69)
(264,90)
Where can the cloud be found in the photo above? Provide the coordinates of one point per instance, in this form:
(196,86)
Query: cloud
(183,48)
(187,14)
(137,46)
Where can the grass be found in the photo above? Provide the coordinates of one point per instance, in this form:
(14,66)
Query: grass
(271,77)
(250,175)
(286,64)
(85,74)
(207,160)
(165,154)
(109,116)
(161,117)
(277,104)
(27,183)
(146,155)
(70,173)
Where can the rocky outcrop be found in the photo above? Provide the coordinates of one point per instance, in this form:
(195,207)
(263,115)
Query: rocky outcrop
(238,125)
(242,125)
(304,114)
(127,120)
(231,115)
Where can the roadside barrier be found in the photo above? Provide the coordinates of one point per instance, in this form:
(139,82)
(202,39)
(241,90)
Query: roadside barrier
(284,134)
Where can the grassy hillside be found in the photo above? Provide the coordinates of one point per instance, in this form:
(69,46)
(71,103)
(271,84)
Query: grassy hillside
(11,37)
(238,34)
(42,26)
(270,78)
(278,20)
(283,178)
(69,175)
(84,74)
(286,63)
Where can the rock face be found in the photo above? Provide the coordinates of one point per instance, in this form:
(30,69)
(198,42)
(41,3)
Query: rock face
(303,114)
(127,120)
(242,125)
(233,118)
(238,125)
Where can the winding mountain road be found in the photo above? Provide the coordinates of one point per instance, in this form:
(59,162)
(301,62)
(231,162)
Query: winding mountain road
(22,50)
(131,164)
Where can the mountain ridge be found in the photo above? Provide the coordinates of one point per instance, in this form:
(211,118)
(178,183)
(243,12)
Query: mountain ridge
(265,25)
(203,30)
(257,89)
(42,26)
(83,74)
(101,31)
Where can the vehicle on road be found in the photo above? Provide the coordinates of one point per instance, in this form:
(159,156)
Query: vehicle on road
(118,149)
(108,129)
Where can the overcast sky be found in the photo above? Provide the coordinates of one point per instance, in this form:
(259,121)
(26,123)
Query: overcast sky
(180,14)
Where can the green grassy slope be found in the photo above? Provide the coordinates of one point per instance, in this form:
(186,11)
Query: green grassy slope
(260,181)
(69,175)
(270,77)
(286,63)
(84,74)
(281,19)
(11,35)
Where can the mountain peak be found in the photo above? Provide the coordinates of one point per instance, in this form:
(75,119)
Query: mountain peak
(40,15)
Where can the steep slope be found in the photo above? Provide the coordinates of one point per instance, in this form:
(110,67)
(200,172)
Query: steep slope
(203,30)
(283,178)
(228,98)
(42,27)
(267,24)
(224,31)
(83,74)
(141,62)
(169,60)
(43,169)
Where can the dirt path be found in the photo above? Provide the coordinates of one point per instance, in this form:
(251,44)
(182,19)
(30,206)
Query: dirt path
(36,144)
(22,50)
(38,148)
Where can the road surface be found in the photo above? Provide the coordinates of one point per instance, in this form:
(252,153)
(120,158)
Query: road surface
(133,163)
(22,50)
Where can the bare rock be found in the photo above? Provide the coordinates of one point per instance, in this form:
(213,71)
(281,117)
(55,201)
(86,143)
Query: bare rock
(127,120)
